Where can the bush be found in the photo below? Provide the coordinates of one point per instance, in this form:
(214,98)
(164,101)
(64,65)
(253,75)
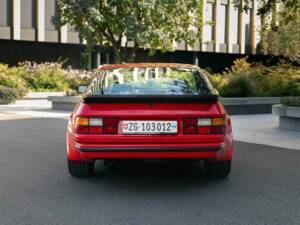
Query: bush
(76,78)
(44,77)
(9,78)
(291,101)
(245,80)
(238,86)
(9,95)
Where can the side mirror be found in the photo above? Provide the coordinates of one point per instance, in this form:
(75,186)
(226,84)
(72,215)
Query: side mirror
(82,89)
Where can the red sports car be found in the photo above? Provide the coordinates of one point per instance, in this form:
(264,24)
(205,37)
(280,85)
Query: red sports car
(149,111)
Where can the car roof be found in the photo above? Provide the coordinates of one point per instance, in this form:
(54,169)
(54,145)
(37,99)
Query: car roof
(146,65)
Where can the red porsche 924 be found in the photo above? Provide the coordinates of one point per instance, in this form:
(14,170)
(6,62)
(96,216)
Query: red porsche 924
(149,111)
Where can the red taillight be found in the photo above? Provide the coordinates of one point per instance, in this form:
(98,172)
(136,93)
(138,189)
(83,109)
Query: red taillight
(81,129)
(218,129)
(190,126)
(110,126)
(95,130)
(214,125)
(85,125)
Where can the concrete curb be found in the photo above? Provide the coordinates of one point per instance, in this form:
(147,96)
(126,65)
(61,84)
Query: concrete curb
(289,117)
(42,95)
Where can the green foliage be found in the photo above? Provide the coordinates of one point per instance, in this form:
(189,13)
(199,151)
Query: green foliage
(42,77)
(291,101)
(9,77)
(9,95)
(237,86)
(244,79)
(280,26)
(140,24)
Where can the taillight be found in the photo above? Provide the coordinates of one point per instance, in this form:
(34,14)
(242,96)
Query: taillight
(190,126)
(216,125)
(81,125)
(110,126)
(86,125)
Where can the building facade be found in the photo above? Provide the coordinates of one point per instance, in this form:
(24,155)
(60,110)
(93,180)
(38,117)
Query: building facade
(27,32)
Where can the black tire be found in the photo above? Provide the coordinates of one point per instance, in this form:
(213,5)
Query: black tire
(80,168)
(218,169)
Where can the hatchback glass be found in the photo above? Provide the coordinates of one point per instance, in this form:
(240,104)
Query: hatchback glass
(150,81)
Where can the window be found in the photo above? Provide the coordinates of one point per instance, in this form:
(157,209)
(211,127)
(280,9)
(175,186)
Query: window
(28,12)
(51,11)
(150,81)
(5,13)
(222,23)
(208,22)
(247,29)
(234,18)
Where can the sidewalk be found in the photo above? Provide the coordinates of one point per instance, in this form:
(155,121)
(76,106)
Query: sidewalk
(260,129)
(263,129)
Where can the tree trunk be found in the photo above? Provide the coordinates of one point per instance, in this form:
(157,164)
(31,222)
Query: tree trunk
(117,57)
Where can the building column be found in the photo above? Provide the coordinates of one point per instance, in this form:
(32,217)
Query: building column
(63,34)
(255,27)
(40,20)
(216,6)
(16,5)
(240,30)
(228,33)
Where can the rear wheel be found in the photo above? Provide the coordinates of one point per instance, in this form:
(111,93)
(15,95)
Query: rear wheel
(81,168)
(218,169)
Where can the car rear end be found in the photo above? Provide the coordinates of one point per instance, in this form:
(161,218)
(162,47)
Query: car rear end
(131,114)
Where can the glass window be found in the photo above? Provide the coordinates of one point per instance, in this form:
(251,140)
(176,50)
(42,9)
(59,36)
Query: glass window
(234,18)
(222,23)
(150,81)
(28,13)
(51,11)
(5,12)
(208,22)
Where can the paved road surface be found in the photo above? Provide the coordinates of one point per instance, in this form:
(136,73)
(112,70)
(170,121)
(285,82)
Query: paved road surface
(35,187)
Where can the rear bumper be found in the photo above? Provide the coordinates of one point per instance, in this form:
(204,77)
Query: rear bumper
(153,149)
(87,151)
(149,152)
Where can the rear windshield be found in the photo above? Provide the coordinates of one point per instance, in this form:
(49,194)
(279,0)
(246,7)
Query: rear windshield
(150,81)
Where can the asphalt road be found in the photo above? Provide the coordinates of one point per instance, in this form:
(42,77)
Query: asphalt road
(35,187)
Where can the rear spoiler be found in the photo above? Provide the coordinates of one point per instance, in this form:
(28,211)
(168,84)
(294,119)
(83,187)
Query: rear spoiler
(150,99)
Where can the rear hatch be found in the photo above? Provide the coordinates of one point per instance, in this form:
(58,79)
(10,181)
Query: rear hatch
(150,105)
(153,120)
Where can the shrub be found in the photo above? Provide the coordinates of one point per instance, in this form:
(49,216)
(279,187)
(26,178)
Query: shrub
(9,78)
(244,80)
(44,77)
(291,101)
(8,95)
(238,86)
(76,78)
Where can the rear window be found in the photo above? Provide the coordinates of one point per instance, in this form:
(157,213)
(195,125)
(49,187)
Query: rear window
(150,81)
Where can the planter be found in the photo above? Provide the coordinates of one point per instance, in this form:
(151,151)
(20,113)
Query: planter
(66,103)
(234,106)
(251,105)
(6,102)
(289,117)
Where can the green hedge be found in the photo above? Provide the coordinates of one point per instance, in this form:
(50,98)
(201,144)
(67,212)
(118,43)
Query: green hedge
(244,79)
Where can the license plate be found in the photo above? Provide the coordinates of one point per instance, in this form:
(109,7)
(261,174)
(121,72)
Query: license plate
(149,127)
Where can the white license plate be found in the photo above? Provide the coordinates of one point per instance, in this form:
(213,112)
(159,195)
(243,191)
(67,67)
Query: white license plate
(149,127)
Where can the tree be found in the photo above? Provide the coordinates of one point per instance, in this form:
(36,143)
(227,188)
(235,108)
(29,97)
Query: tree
(281,30)
(280,33)
(127,25)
